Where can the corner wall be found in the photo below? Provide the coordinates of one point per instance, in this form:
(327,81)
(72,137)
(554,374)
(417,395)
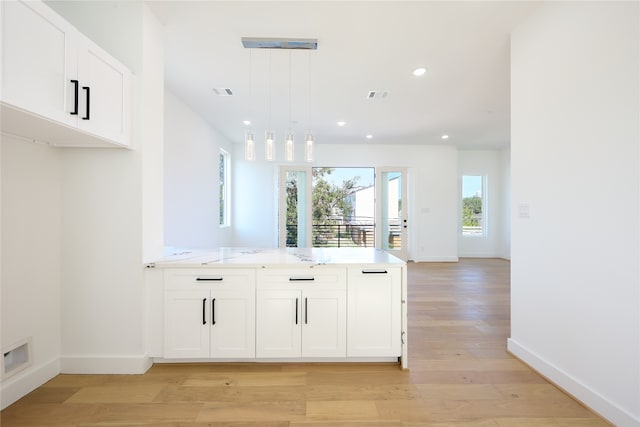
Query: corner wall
(575,201)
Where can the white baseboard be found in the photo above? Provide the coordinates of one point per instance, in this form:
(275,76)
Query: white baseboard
(595,401)
(24,382)
(105,364)
(437,259)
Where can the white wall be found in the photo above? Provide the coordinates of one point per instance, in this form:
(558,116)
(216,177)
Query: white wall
(486,163)
(505,225)
(575,166)
(432,177)
(191,168)
(31,277)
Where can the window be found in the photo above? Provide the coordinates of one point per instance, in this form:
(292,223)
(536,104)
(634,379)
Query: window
(224,189)
(473,212)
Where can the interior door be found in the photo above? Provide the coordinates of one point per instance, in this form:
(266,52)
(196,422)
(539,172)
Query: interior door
(392,221)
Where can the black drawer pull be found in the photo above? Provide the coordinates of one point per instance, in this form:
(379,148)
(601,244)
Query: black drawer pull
(302,279)
(213,311)
(306,312)
(296,311)
(209,279)
(88,112)
(204,309)
(374,271)
(75,98)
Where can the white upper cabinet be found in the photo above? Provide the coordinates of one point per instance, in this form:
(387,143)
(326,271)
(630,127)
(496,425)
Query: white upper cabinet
(57,85)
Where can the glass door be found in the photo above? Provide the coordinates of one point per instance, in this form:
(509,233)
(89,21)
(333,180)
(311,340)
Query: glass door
(295,207)
(391,234)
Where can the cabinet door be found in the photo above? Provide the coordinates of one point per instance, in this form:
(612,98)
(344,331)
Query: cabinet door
(38,60)
(374,312)
(186,324)
(278,323)
(233,323)
(324,323)
(105,93)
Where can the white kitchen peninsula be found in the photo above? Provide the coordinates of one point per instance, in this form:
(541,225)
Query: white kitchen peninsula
(287,305)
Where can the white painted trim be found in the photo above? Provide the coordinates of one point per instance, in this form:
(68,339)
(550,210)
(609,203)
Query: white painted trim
(26,381)
(437,259)
(105,364)
(581,392)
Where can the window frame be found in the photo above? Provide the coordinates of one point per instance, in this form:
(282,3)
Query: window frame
(483,196)
(224,189)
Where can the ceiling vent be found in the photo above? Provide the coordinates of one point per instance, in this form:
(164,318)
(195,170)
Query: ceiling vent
(223,91)
(377,94)
(279,43)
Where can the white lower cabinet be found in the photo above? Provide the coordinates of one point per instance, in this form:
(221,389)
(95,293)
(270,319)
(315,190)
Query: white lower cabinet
(374,312)
(209,314)
(301,313)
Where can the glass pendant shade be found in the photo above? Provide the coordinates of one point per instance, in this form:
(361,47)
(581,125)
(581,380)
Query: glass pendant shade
(289,154)
(269,143)
(308,148)
(249,147)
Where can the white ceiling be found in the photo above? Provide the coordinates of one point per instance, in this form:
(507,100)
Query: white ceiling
(362,46)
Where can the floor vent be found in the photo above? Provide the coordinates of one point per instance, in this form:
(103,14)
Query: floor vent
(16,358)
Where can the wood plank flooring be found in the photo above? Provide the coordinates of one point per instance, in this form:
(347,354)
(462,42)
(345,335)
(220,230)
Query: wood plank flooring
(460,375)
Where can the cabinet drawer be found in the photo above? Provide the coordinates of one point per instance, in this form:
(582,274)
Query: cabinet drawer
(298,278)
(209,278)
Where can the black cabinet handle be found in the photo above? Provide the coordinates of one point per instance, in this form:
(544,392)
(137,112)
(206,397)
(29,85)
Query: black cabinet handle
(374,271)
(296,311)
(88,113)
(204,309)
(306,312)
(209,279)
(75,98)
(213,311)
(302,279)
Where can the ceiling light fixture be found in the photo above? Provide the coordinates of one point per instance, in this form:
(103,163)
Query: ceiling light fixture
(247,122)
(369,136)
(341,123)
(270,140)
(419,71)
(445,136)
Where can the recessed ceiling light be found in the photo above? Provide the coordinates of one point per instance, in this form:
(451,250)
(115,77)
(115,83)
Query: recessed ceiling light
(419,71)
(341,123)
(445,136)
(369,136)
(246,122)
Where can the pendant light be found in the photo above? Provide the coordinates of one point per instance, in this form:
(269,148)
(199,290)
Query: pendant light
(288,142)
(249,140)
(308,147)
(269,137)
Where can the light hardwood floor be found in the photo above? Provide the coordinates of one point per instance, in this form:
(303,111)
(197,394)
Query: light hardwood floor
(460,375)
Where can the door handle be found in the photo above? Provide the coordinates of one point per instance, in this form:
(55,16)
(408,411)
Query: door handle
(209,279)
(296,311)
(75,98)
(374,271)
(306,312)
(213,311)
(204,309)
(88,113)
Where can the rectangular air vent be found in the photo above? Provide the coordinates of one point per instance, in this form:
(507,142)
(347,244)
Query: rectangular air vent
(377,94)
(222,91)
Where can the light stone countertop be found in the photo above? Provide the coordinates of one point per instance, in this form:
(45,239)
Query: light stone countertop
(277,257)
